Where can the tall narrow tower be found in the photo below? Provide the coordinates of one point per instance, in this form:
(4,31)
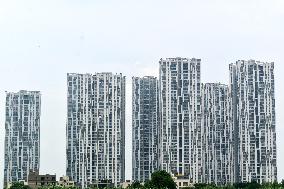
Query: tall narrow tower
(180,105)
(145,125)
(96,128)
(22,135)
(252,90)
(217,134)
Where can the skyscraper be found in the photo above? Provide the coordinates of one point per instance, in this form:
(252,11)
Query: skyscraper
(253,104)
(22,135)
(180,105)
(217,134)
(96,128)
(145,124)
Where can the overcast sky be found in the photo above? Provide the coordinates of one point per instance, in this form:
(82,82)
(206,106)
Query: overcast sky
(42,40)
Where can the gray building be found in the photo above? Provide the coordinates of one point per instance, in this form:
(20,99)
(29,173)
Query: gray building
(180,128)
(35,180)
(22,135)
(96,128)
(145,124)
(253,104)
(217,134)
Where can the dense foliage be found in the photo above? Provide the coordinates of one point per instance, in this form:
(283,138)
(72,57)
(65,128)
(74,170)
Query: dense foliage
(163,180)
(19,185)
(252,185)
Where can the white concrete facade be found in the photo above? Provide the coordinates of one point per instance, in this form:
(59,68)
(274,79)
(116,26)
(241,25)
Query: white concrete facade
(253,105)
(22,135)
(180,128)
(96,128)
(217,134)
(145,124)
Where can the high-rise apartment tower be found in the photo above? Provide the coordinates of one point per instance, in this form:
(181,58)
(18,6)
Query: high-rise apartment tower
(145,125)
(253,105)
(22,135)
(96,128)
(217,134)
(180,105)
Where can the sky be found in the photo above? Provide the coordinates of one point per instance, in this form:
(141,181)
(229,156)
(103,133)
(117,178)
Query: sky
(42,40)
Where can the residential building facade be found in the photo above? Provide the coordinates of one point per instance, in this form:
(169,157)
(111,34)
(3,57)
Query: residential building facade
(35,180)
(65,182)
(217,134)
(253,104)
(22,135)
(96,128)
(145,124)
(182,182)
(180,128)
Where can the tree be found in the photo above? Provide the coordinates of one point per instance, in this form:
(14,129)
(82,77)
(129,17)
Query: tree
(19,185)
(253,185)
(57,187)
(161,180)
(135,184)
(200,185)
(282,183)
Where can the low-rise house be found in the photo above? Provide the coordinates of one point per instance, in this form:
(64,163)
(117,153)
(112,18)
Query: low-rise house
(65,182)
(102,184)
(35,180)
(183,182)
